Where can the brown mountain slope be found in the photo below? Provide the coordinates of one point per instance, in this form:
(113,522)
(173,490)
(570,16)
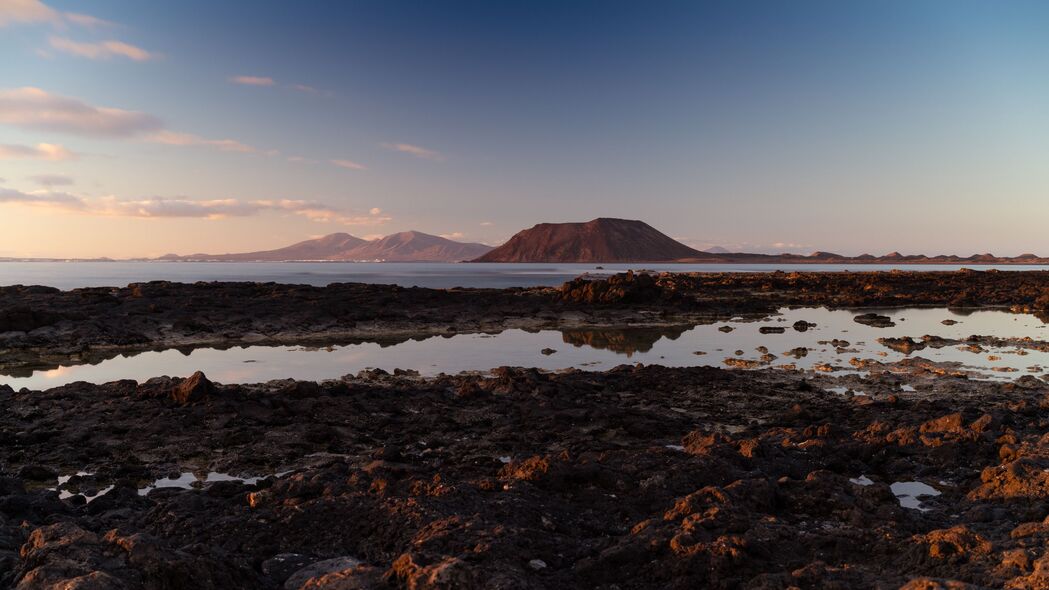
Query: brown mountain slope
(601,240)
(410,246)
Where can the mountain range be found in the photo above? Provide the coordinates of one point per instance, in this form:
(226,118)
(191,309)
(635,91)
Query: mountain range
(601,240)
(409,246)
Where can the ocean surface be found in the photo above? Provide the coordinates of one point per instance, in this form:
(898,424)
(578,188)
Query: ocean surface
(72,275)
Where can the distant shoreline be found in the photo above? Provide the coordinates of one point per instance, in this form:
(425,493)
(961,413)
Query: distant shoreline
(771,260)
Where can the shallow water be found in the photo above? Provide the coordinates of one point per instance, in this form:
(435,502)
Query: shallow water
(592,349)
(909,493)
(71,275)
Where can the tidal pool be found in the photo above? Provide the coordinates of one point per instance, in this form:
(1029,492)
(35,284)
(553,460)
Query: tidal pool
(833,341)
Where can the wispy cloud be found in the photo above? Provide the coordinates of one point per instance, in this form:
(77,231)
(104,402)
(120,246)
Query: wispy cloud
(87,21)
(33,108)
(253,80)
(455,235)
(40,151)
(181,207)
(51,180)
(754,248)
(348,164)
(100,50)
(189,139)
(268,81)
(28,12)
(414,150)
(375,216)
(486,224)
(305,88)
(42,198)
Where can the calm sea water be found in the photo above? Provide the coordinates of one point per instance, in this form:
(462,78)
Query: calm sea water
(71,275)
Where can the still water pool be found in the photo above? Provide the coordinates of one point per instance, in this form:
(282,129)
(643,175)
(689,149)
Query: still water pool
(599,349)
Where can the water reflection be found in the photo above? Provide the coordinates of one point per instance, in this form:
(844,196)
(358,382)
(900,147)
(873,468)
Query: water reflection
(625,341)
(1011,345)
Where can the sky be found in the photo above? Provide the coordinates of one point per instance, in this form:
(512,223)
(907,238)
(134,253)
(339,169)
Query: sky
(132,128)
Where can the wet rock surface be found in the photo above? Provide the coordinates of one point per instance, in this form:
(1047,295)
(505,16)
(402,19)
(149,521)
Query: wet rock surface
(635,477)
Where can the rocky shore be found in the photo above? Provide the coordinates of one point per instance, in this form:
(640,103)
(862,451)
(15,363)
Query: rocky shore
(910,475)
(637,477)
(42,326)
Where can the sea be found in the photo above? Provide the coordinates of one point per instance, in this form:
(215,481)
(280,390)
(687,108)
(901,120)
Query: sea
(73,275)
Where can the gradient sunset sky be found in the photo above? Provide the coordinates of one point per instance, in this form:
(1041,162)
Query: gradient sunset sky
(133,128)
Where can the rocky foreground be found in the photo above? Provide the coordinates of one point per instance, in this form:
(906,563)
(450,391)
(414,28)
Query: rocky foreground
(640,477)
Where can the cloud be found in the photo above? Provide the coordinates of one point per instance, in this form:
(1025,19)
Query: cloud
(486,224)
(41,151)
(100,50)
(455,235)
(751,247)
(33,108)
(188,139)
(87,21)
(414,150)
(50,180)
(26,12)
(181,207)
(268,81)
(348,164)
(307,89)
(374,217)
(29,12)
(45,198)
(252,80)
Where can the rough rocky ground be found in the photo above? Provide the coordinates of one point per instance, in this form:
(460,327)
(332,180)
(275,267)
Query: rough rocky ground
(638,477)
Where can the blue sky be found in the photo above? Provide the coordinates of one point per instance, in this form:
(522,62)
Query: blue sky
(917,126)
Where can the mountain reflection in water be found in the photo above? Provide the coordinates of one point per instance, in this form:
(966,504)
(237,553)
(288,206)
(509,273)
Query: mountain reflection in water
(627,341)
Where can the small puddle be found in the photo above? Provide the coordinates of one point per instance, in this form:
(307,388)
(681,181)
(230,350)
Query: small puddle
(862,480)
(910,492)
(188,480)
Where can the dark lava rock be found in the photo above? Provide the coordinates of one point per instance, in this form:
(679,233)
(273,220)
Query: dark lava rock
(37,473)
(803,326)
(280,567)
(874,320)
(195,389)
(772,329)
(548,351)
(906,345)
(725,329)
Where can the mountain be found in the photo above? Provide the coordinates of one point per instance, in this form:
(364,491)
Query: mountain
(413,246)
(716,250)
(409,246)
(600,240)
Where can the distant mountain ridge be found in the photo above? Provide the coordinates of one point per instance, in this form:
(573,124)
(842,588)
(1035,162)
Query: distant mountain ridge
(604,239)
(409,246)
